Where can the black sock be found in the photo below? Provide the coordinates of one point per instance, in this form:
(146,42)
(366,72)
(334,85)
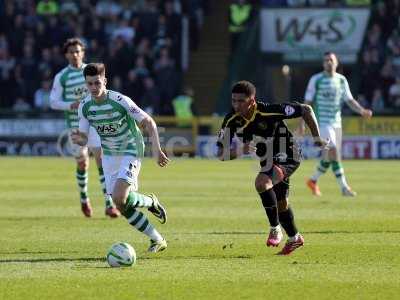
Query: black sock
(270,204)
(286,218)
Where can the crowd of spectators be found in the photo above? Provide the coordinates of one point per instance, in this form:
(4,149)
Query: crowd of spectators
(379,67)
(314,3)
(139,41)
(380,58)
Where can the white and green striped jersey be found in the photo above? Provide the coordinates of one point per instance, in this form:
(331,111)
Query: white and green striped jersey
(115,120)
(327,94)
(68,86)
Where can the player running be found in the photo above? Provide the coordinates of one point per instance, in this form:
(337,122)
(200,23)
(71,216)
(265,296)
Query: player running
(68,90)
(260,128)
(116,117)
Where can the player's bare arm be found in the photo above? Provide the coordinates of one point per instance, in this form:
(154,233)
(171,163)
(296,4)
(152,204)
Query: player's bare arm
(356,107)
(151,128)
(301,129)
(311,121)
(78,137)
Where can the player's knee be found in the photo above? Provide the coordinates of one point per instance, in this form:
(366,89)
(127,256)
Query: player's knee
(283,205)
(119,205)
(83,163)
(333,154)
(263,184)
(97,155)
(119,199)
(278,175)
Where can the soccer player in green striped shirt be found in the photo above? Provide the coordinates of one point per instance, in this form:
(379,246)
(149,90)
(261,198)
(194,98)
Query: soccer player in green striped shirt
(69,88)
(327,91)
(116,119)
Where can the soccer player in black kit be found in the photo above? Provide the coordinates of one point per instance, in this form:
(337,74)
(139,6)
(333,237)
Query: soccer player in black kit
(260,128)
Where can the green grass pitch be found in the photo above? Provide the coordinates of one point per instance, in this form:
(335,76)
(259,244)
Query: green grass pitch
(216,233)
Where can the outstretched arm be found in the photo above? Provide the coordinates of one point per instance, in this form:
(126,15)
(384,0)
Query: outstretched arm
(302,125)
(308,117)
(356,107)
(151,128)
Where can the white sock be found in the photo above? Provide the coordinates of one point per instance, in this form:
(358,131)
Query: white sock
(278,228)
(152,233)
(316,176)
(341,179)
(321,170)
(294,238)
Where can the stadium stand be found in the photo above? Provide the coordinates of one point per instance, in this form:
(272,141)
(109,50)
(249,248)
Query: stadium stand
(379,58)
(140,42)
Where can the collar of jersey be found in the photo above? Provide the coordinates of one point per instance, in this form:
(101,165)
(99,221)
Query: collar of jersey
(104,101)
(251,118)
(73,68)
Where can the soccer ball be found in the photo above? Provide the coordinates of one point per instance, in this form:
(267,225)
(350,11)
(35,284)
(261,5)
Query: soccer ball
(121,255)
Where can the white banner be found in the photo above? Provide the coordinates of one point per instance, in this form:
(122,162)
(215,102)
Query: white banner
(31,127)
(305,34)
(353,147)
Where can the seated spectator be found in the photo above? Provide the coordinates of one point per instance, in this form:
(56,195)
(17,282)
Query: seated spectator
(383,16)
(318,2)
(42,96)
(7,65)
(274,3)
(369,73)
(393,43)
(144,49)
(335,3)
(394,94)
(134,43)
(296,3)
(363,102)
(151,98)
(45,62)
(116,83)
(126,32)
(106,8)
(374,41)
(377,102)
(3,41)
(21,105)
(167,79)
(69,7)
(133,87)
(94,52)
(386,79)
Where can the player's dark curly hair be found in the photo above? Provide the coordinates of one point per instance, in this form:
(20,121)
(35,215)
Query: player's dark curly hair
(244,87)
(94,69)
(72,42)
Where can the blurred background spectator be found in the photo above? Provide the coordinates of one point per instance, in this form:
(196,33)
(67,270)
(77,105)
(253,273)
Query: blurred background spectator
(140,42)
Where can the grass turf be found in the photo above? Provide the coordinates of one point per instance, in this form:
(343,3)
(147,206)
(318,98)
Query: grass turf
(216,234)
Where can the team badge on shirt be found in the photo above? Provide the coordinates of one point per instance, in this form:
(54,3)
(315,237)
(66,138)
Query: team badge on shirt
(289,110)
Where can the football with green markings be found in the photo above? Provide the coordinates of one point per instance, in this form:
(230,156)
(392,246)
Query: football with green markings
(121,254)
